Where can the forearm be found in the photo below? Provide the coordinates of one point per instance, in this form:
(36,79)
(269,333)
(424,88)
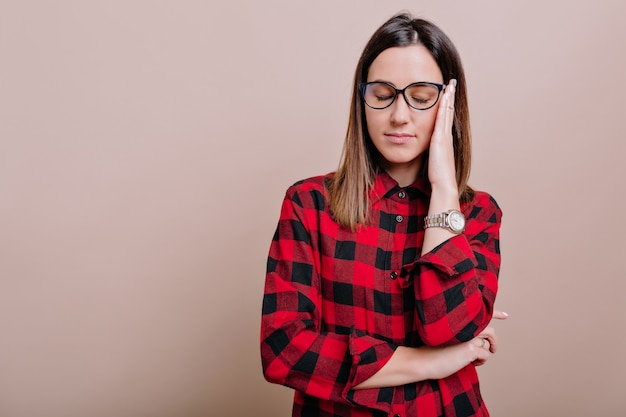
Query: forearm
(408,365)
(459,278)
(443,198)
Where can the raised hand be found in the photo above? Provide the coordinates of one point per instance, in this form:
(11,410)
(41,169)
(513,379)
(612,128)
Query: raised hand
(441,167)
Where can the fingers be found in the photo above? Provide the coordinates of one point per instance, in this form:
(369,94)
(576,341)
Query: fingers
(490,332)
(491,340)
(445,113)
(451,93)
(499,314)
(484,342)
(441,162)
(481,351)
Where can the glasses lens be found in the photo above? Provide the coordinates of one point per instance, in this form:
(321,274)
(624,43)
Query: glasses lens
(421,96)
(379,95)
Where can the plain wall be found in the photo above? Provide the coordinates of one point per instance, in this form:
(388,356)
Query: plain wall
(145,148)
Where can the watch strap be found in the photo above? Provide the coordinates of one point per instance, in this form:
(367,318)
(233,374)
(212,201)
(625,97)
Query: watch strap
(443,220)
(436,220)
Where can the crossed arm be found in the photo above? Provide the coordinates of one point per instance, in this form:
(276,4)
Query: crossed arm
(410,364)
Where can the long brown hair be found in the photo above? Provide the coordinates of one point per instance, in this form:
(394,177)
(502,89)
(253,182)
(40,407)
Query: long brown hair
(349,188)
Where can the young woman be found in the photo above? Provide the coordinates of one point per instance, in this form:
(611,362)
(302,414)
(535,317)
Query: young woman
(381,277)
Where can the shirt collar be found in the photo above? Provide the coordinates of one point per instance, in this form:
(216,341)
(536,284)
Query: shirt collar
(384,186)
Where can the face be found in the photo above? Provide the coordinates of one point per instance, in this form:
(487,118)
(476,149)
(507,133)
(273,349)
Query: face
(400,133)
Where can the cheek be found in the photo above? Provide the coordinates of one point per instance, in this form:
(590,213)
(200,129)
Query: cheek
(427,121)
(374,120)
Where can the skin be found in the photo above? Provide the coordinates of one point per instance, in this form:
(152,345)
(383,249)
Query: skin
(410,364)
(402,134)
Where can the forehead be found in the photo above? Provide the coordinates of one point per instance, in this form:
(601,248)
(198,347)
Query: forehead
(403,65)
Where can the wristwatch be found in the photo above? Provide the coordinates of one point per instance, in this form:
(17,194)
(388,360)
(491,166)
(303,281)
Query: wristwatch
(453,220)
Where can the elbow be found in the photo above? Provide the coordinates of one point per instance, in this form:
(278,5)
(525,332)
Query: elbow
(451,331)
(467,333)
(435,339)
(447,338)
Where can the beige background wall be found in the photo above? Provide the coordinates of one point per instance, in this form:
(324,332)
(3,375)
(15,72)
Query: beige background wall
(145,147)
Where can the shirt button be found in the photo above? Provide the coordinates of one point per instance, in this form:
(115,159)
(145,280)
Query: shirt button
(401,194)
(397,415)
(393,275)
(399,219)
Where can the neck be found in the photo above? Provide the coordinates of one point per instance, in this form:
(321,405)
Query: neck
(404,174)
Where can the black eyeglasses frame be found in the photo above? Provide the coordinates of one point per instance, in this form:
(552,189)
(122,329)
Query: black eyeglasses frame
(363,86)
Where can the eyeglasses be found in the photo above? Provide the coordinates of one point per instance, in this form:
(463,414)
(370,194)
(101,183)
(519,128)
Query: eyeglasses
(420,96)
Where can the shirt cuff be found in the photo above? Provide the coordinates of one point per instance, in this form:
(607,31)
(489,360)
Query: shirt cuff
(452,257)
(369,354)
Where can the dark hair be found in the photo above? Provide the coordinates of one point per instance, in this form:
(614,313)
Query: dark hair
(349,188)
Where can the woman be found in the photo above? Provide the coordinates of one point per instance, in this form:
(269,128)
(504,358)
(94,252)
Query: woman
(381,277)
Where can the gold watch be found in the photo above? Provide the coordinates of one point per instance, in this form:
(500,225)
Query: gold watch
(453,220)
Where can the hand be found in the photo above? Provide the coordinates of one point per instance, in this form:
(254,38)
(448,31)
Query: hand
(485,344)
(440,362)
(487,339)
(441,165)
(413,364)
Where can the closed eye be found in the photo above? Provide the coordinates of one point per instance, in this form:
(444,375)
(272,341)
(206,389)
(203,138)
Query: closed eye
(419,100)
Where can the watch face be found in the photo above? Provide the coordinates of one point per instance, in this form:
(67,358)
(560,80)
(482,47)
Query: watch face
(457,221)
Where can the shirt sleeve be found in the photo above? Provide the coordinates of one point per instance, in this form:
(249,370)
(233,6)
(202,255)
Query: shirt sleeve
(295,349)
(456,283)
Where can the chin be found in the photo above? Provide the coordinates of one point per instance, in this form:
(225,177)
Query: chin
(402,159)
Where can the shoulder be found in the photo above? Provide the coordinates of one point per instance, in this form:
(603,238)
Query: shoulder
(310,193)
(483,207)
(313,183)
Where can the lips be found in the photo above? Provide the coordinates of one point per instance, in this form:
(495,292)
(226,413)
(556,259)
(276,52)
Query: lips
(399,138)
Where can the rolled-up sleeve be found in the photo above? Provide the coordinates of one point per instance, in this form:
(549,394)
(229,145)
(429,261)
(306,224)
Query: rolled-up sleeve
(456,283)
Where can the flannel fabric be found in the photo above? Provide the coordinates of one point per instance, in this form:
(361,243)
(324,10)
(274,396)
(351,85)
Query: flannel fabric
(338,303)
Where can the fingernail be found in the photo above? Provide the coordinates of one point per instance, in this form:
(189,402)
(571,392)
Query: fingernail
(453,82)
(505,314)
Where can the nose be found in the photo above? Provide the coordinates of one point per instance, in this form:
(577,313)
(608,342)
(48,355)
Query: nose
(400,110)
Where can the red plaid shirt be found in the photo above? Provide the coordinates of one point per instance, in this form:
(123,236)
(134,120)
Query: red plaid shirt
(337,303)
